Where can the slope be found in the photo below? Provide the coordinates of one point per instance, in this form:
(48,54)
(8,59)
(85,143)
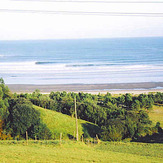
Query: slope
(156,114)
(61,123)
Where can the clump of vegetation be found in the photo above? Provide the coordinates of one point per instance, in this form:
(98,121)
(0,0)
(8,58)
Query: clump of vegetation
(119,117)
(17,116)
(24,118)
(4,104)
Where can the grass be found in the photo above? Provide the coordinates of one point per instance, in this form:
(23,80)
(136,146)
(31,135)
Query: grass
(61,123)
(156,114)
(70,151)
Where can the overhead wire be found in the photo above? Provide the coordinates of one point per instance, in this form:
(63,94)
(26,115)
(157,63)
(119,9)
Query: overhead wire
(87,12)
(94,1)
(84,13)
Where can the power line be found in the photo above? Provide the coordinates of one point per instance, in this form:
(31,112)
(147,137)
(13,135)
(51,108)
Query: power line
(84,13)
(94,1)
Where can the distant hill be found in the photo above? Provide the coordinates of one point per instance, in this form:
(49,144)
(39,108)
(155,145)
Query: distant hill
(61,123)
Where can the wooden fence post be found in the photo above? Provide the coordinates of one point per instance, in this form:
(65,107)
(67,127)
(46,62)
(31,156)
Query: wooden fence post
(82,139)
(27,137)
(97,139)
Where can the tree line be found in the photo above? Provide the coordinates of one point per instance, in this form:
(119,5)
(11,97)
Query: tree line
(119,117)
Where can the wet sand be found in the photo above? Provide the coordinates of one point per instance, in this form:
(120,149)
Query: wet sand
(117,88)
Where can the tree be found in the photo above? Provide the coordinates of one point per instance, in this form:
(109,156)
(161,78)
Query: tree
(121,100)
(112,132)
(22,116)
(1,93)
(136,105)
(3,110)
(36,93)
(159,97)
(3,135)
(128,100)
(2,81)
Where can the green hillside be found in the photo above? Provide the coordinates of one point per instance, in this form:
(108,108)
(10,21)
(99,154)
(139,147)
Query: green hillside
(61,123)
(156,114)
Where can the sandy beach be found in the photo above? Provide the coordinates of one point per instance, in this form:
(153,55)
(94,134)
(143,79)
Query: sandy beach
(117,88)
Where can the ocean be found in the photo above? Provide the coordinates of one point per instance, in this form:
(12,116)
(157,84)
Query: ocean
(82,61)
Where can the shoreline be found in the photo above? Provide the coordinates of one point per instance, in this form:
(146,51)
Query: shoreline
(113,88)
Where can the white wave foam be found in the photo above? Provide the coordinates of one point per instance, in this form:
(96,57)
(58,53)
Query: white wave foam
(32,67)
(27,67)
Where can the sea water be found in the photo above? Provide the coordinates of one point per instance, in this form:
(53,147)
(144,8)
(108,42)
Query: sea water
(83,61)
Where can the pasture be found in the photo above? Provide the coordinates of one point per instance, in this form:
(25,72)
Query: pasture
(156,114)
(71,151)
(62,123)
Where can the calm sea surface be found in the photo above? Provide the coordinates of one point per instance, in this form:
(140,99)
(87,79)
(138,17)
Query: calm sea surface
(85,61)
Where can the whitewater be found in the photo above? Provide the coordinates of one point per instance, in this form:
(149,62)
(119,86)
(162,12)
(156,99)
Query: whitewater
(84,61)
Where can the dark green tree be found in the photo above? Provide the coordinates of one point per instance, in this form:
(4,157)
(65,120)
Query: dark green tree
(22,116)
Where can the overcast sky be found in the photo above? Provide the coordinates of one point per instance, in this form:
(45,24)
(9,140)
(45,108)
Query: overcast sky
(17,26)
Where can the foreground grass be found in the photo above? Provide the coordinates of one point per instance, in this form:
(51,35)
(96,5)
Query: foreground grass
(61,123)
(69,151)
(156,114)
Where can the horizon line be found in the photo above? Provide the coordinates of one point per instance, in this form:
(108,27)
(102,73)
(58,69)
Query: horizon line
(42,39)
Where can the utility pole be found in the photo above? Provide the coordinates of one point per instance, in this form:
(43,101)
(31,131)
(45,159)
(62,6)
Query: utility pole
(76,119)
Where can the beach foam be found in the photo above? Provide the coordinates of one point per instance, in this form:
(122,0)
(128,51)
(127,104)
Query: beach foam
(87,61)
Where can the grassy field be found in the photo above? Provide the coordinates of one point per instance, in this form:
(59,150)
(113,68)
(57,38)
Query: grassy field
(70,151)
(61,123)
(156,114)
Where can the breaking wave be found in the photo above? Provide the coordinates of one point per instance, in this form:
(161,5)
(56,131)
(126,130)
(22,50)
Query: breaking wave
(44,63)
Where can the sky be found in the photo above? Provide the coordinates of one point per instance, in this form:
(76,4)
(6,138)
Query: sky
(27,26)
